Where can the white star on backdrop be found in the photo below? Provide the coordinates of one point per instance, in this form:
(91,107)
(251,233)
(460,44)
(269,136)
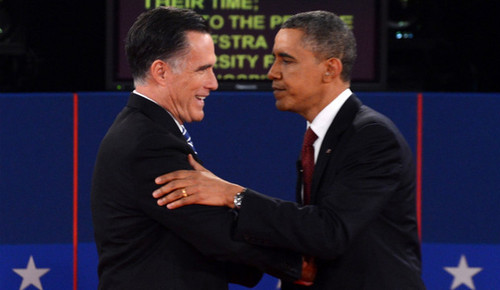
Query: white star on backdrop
(462,274)
(31,275)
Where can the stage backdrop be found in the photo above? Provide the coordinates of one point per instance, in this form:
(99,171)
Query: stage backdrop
(48,144)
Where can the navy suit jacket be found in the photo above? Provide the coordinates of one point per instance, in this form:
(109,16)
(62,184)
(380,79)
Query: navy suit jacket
(362,225)
(144,246)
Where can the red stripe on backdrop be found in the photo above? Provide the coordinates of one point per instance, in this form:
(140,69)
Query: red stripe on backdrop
(75,191)
(420,107)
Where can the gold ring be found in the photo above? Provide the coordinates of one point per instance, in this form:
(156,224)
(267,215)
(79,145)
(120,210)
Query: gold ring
(184,193)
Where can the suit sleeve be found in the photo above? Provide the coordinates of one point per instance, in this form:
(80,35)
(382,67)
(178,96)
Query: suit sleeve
(209,229)
(353,192)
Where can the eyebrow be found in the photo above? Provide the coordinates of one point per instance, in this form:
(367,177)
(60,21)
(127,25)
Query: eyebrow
(204,67)
(284,54)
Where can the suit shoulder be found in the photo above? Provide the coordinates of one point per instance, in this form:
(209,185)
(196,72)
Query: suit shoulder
(132,129)
(367,116)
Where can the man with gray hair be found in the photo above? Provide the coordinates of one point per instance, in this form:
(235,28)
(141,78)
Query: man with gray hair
(143,246)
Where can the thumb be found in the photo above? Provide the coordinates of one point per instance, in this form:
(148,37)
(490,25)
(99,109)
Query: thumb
(197,166)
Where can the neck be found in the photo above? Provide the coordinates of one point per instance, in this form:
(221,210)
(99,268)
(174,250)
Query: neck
(327,96)
(158,96)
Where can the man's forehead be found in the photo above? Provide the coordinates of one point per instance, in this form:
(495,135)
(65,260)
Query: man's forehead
(289,34)
(289,37)
(289,41)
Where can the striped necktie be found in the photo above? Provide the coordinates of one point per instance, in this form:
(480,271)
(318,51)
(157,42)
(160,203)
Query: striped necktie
(188,138)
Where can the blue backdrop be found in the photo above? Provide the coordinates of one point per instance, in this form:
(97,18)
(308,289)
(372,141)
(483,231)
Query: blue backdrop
(48,144)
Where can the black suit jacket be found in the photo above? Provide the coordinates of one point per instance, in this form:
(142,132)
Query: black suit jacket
(144,246)
(362,226)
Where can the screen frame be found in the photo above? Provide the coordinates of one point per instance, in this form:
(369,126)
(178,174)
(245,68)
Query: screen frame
(113,83)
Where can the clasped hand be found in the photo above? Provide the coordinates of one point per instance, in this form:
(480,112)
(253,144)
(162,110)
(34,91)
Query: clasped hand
(198,186)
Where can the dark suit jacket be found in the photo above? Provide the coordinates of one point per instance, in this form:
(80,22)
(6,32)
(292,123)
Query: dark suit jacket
(144,246)
(362,227)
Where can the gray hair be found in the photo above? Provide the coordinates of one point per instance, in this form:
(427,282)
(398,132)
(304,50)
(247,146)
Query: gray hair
(327,36)
(160,33)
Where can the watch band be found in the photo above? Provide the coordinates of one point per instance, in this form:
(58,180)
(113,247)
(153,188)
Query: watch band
(238,198)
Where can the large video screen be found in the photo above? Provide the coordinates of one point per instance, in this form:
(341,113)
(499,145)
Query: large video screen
(243,32)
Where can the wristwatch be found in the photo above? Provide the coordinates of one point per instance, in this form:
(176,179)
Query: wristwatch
(238,198)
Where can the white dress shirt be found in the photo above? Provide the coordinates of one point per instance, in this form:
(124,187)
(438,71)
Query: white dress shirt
(324,119)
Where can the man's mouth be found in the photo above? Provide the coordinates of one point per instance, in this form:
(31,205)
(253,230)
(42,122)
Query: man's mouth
(201,98)
(278,88)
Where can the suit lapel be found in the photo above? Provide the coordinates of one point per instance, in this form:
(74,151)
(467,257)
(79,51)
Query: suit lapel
(340,124)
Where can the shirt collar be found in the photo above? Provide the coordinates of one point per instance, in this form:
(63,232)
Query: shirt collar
(324,119)
(147,98)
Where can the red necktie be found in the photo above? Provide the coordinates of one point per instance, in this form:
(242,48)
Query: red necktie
(307,160)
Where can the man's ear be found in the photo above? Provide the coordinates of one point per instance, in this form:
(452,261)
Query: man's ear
(333,69)
(159,71)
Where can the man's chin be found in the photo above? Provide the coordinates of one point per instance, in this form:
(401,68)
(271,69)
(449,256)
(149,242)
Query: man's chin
(281,106)
(196,118)
(199,117)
